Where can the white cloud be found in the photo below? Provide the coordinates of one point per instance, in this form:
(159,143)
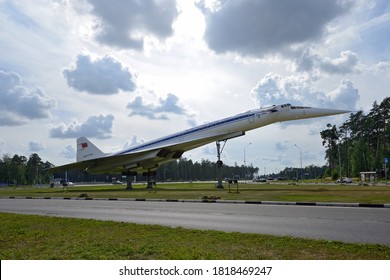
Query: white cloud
(347,63)
(19,17)
(2,145)
(282,146)
(102,75)
(345,96)
(160,111)
(69,152)
(127,23)
(19,104)
(276,89)
(95,126)
(135,140)
(35,146)
(256,28)
(382,67)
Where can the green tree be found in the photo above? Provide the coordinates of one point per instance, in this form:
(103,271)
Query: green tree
(363,140)
(34,169)
(330,137)
(18,170)
(5,169)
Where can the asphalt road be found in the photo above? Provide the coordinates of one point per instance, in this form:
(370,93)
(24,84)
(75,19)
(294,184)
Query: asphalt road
(349,224)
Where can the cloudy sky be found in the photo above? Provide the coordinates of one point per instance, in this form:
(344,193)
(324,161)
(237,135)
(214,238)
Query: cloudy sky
(123,72)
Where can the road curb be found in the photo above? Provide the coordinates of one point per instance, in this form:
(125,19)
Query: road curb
(323,204)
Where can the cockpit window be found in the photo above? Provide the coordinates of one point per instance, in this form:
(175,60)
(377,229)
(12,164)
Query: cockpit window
(286,105)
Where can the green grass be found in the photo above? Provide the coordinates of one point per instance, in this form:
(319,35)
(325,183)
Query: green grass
(36,237)
(251,192)
(39,237)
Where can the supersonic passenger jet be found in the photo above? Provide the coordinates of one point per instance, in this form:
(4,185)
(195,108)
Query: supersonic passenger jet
(147,157)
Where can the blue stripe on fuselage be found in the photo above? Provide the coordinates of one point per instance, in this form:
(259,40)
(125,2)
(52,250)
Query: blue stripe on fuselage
(191,130)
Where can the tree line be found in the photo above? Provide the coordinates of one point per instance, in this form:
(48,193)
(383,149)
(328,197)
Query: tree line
(20,170)
(182,169)
(185,170)
(360,144)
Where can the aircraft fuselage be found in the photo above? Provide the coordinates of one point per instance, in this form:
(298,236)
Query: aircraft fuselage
(236,126)
(148,156)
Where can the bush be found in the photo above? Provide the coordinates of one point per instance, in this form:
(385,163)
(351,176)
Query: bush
(335,176)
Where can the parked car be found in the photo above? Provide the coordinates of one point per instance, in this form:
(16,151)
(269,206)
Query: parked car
(281,178)
(261,179)
(117,183)
(67,184)
(344,180)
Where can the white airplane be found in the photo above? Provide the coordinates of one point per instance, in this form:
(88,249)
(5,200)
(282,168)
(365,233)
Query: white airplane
(147,157)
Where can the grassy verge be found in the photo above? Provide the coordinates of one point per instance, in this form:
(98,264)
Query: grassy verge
(251,192)
(37,237)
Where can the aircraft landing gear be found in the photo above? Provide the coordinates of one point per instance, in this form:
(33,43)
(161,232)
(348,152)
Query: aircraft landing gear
(150,183)
(219,164)
(129,182)
(129,179)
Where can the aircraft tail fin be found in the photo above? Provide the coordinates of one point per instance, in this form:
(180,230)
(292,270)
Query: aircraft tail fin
(86,150)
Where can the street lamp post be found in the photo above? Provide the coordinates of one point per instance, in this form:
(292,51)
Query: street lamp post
(245,161)
(300,157)
(340,177)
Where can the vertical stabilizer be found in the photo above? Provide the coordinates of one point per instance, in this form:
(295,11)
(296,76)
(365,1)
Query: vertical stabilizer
(86,150)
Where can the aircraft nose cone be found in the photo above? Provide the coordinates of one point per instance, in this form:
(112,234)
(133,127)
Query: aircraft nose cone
(328,112)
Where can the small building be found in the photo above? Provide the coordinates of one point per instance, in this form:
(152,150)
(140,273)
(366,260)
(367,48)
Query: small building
(369,176)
